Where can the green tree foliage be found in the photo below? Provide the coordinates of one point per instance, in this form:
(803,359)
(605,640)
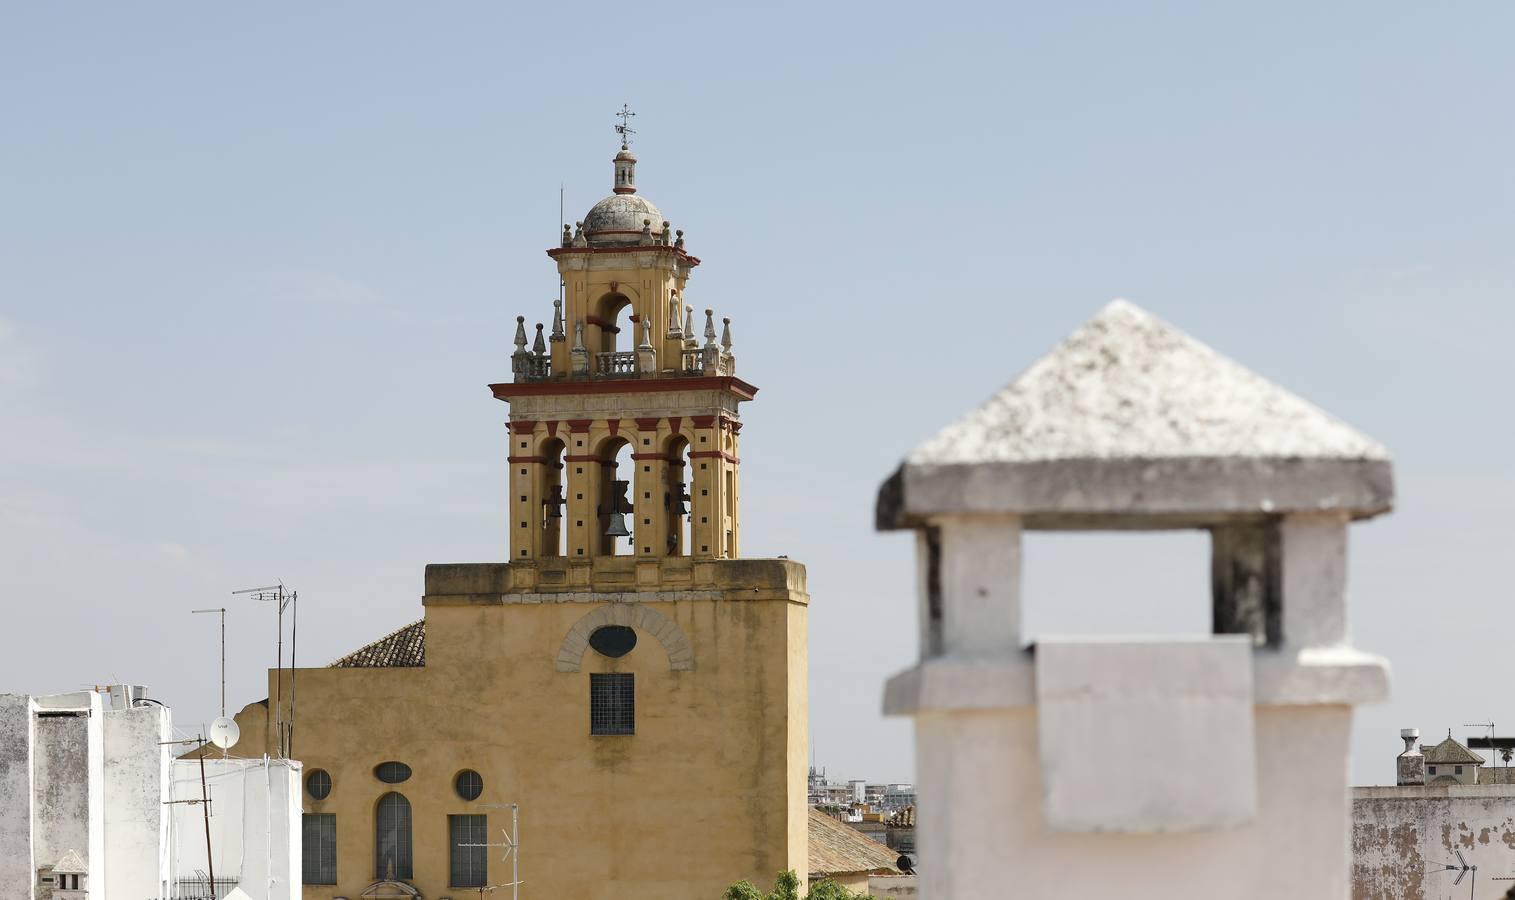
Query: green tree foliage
(787,887)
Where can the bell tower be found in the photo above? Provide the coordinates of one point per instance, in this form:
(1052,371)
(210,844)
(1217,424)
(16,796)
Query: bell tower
(624,369)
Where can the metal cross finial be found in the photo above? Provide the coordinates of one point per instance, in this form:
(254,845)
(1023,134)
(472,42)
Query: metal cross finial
(624,129)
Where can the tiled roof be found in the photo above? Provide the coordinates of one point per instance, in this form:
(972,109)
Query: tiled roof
(1450,752)
(403,648)
(835,848)
(902,818)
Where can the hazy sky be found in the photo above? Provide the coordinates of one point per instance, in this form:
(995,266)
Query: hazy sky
(257,265)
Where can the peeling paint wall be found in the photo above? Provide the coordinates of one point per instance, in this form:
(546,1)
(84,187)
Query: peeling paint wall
(1402,837)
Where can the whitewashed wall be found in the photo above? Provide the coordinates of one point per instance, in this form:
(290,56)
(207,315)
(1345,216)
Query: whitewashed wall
(136,787)
(255,824)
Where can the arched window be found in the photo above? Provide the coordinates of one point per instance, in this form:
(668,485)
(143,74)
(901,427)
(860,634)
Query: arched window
(554,498)
(677,497)
(391,833)
(619,505)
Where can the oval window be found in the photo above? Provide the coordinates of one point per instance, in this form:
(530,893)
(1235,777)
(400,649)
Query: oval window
(613,640)
(318,783)
(469,784)
(392,772)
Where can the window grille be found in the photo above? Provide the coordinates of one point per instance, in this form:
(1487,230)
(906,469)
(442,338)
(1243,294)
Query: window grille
(392,847)
(470,865)
(469,784)
(392,772)
(612,703)
(318,782)
(318,848)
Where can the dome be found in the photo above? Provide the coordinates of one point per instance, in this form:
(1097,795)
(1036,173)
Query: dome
(618,219)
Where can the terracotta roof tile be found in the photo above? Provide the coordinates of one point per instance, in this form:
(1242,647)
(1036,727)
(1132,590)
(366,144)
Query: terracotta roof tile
(836,848)
(1450,752)
(402,648)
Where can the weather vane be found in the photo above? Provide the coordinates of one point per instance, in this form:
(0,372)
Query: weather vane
(624,129)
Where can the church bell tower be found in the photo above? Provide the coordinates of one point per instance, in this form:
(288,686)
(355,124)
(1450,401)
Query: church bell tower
(624,431)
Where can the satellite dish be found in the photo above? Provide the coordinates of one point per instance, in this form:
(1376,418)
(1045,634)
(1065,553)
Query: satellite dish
(224,732)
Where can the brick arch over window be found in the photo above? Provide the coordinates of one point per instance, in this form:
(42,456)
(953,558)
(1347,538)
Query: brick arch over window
(633,615)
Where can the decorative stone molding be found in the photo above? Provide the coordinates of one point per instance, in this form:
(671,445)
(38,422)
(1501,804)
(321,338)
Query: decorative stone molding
(632,615)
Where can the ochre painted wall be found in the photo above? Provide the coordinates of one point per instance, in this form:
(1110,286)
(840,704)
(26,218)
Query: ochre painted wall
(710,789)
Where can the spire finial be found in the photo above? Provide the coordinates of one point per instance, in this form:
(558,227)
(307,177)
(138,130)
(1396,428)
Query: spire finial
(539,346)
(710,328)
(520,334)
(557,318)
(726,334)
(689,323)
(624,129)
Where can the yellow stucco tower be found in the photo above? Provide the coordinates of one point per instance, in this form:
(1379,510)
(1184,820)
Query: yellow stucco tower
(636,688)
(624,370)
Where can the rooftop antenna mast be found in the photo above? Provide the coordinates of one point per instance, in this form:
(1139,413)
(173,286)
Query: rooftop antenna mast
(512,850)
(1492,746)
(204,804)
(281,598)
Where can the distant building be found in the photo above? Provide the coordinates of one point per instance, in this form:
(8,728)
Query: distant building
(1412,840)
(841,854)
(625,676)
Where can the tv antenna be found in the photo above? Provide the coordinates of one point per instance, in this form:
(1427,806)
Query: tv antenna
(512,850)
(204,803)
(1462,869)
(278,595)
(1502,747)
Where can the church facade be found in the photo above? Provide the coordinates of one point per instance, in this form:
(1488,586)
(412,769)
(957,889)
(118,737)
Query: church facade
(625,679)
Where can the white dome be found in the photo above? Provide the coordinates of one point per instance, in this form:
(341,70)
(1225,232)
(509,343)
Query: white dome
(618,219)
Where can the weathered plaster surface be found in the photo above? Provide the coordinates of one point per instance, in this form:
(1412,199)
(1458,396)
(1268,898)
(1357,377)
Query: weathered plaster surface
(1403,836)
(1126,385)
(17,735)
(62,811)
(136,786)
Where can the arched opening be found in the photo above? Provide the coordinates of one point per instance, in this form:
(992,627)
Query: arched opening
(554,500)
(393,852)
(677,496)
(615,335)
(616,523)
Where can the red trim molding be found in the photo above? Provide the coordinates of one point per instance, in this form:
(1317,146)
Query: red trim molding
(577,426)
(523,427)
(552,428)
(615,426)
(583,458)
(702,421)
(647,424)
(711,454)
(657,456)
(526,459)
(728,383)
(674,422)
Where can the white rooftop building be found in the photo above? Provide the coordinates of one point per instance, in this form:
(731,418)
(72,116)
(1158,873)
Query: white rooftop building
(1089,765)
(93,804)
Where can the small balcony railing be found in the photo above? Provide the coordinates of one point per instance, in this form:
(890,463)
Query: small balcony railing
(622,363)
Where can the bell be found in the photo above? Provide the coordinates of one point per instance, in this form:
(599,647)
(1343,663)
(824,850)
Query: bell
(554,502)
(617,526)
(680,496)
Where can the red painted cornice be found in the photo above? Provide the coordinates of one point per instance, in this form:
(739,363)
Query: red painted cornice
(728,383)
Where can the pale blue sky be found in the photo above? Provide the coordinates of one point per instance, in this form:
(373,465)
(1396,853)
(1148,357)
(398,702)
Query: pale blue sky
(257,265)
